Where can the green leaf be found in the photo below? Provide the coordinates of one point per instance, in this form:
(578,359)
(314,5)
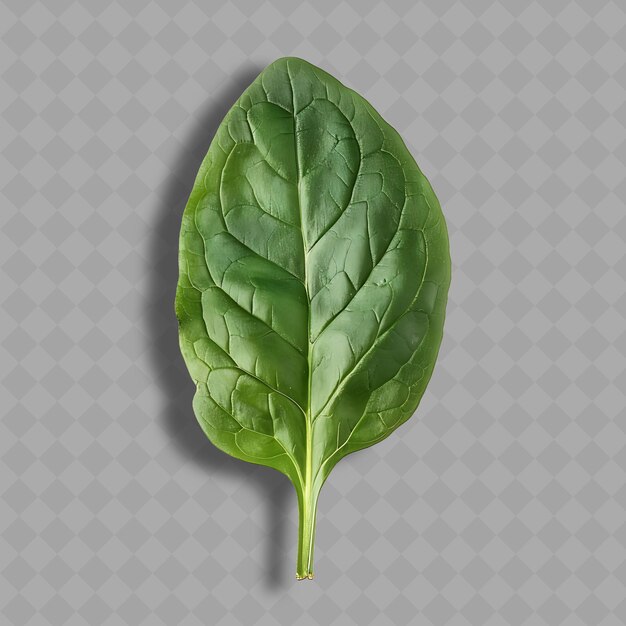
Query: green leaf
(314,271)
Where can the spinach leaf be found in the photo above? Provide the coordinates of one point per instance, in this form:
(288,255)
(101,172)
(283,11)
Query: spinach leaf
(314,271)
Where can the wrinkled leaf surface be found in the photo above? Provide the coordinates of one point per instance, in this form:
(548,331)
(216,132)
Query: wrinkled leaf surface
(314,270)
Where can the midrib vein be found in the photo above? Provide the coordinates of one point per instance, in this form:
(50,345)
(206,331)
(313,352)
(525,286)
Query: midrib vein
(308,470)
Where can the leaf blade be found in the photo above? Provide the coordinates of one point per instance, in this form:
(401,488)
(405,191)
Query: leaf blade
(314,268)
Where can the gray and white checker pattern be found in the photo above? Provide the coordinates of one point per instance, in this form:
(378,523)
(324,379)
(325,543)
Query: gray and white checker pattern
(503,502)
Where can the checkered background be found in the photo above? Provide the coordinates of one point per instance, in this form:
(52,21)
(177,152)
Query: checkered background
(503,502)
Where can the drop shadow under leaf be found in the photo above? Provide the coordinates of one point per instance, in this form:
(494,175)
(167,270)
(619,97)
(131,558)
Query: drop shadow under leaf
(177,388)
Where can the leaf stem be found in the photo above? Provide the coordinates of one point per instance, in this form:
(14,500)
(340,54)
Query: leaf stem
(307,505)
